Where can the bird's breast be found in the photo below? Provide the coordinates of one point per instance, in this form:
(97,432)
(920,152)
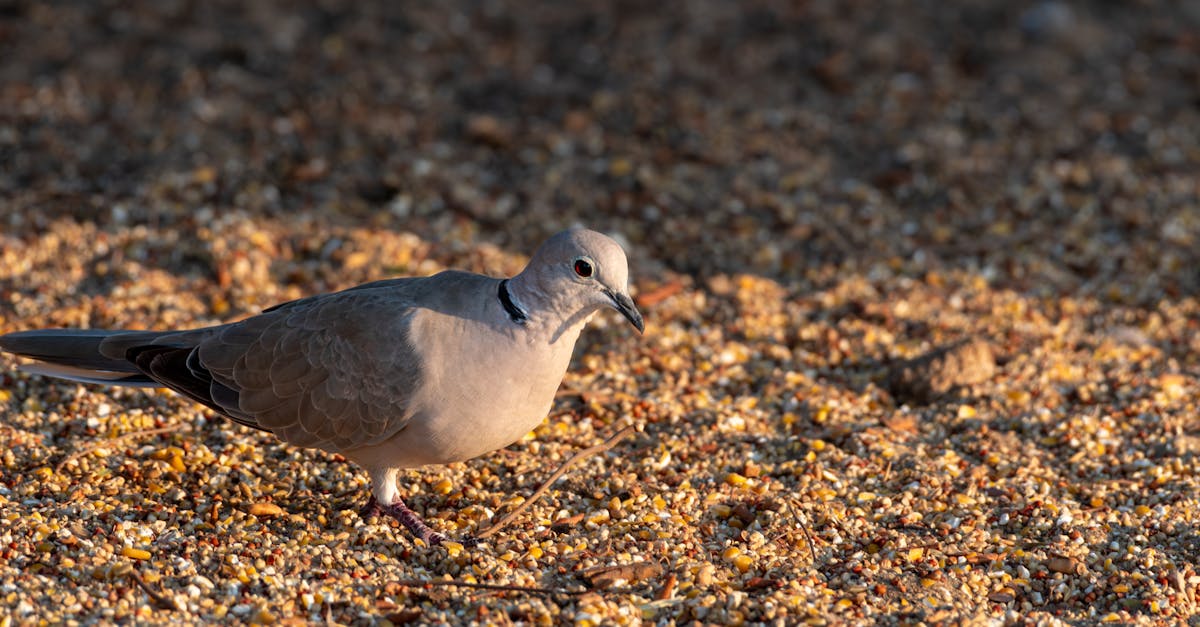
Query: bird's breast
(487,390)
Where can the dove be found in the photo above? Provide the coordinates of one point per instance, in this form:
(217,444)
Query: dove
(393,374)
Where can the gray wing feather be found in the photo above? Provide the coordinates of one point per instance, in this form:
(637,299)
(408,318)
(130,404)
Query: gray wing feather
(335,372)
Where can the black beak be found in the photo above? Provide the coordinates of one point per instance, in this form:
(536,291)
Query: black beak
(624,304)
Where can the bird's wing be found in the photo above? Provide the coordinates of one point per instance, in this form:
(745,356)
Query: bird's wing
(335,372)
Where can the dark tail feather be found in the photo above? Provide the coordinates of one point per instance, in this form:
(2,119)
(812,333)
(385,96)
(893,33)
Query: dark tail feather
(75,354)
(103,377)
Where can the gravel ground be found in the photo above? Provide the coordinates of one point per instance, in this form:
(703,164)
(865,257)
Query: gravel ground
(920,282)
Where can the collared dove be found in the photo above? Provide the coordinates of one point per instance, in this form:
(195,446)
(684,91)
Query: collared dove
(392,374)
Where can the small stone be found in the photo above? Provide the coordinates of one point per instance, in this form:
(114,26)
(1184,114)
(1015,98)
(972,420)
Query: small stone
(942,371)
(266,510)
(1065,565)
(1003,595)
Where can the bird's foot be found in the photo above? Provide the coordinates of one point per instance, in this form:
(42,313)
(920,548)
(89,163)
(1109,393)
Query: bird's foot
(412,522)
(370,509)
(471,542)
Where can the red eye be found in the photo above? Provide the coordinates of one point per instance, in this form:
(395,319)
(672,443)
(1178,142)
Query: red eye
(583,268)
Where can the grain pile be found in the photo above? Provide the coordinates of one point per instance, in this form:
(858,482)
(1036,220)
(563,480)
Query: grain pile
(920,285)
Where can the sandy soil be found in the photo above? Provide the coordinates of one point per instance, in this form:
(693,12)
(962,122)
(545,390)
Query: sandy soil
(920,281)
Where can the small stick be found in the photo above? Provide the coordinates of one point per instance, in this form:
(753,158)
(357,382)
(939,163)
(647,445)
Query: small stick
(96,444)
(647,300)
(808,536)
(803,527)
(591,450)
(159,600)
(417,583)
(584,396)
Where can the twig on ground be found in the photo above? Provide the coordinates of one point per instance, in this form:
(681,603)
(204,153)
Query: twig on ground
(647,300)
(803,527)
(161,601)
(417,583)
(585,395)
(607,576)
(808,536)
(591,450)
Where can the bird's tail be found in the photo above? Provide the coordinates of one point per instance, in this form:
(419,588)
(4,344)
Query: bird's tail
(86,355)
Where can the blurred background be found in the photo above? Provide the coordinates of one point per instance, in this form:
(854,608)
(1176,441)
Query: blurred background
(1050,147)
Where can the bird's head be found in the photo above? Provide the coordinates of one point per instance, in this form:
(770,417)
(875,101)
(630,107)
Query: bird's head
(583,271)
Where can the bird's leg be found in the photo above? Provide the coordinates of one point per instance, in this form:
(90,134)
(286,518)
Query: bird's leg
(385,498)
(410,519)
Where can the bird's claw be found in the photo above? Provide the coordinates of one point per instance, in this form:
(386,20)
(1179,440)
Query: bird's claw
(471,542)
(412,522)
(370,509)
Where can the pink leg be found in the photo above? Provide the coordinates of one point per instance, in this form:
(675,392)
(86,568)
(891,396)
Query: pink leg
(410,520)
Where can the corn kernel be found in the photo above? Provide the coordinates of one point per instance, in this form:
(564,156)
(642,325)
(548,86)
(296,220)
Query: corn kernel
(736,480)
(743,562)
(730,553)
(136,554)
(168,452)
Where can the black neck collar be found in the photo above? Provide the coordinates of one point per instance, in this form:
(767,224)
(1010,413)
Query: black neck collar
(514,312)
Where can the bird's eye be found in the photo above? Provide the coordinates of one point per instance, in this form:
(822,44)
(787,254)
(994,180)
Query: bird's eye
(583,268)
